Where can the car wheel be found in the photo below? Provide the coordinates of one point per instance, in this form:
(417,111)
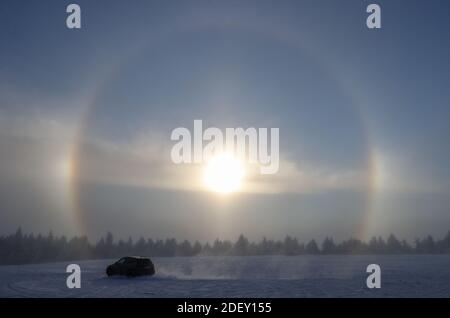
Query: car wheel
(109,271)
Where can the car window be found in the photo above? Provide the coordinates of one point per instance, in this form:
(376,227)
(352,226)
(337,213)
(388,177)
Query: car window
(122,260)
(131,261)
(143,262)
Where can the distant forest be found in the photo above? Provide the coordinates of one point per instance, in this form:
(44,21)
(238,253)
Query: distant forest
(19,248)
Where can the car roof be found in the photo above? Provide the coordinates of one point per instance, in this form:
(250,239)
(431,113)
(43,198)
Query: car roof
(137,257)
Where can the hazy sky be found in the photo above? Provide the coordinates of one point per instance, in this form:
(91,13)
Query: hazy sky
(86,117)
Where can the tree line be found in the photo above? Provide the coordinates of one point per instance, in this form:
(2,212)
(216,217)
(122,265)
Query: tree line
(19,248)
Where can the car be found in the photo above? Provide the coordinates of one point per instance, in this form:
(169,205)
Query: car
(131,266)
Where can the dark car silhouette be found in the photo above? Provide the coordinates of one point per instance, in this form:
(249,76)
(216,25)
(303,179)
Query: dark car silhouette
(131,266)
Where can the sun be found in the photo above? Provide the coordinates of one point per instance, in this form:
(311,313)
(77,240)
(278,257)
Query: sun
(223,174)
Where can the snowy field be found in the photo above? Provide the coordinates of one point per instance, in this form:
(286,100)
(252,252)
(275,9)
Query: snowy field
(265,276)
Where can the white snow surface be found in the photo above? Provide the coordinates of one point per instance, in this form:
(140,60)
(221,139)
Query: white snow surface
(262,276)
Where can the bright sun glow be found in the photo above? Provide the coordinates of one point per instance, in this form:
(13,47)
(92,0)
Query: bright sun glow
(223,174)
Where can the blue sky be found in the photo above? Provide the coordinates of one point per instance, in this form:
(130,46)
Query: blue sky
(363,116)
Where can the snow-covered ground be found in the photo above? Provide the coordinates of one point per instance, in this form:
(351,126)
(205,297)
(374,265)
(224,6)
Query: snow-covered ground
(265,276)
